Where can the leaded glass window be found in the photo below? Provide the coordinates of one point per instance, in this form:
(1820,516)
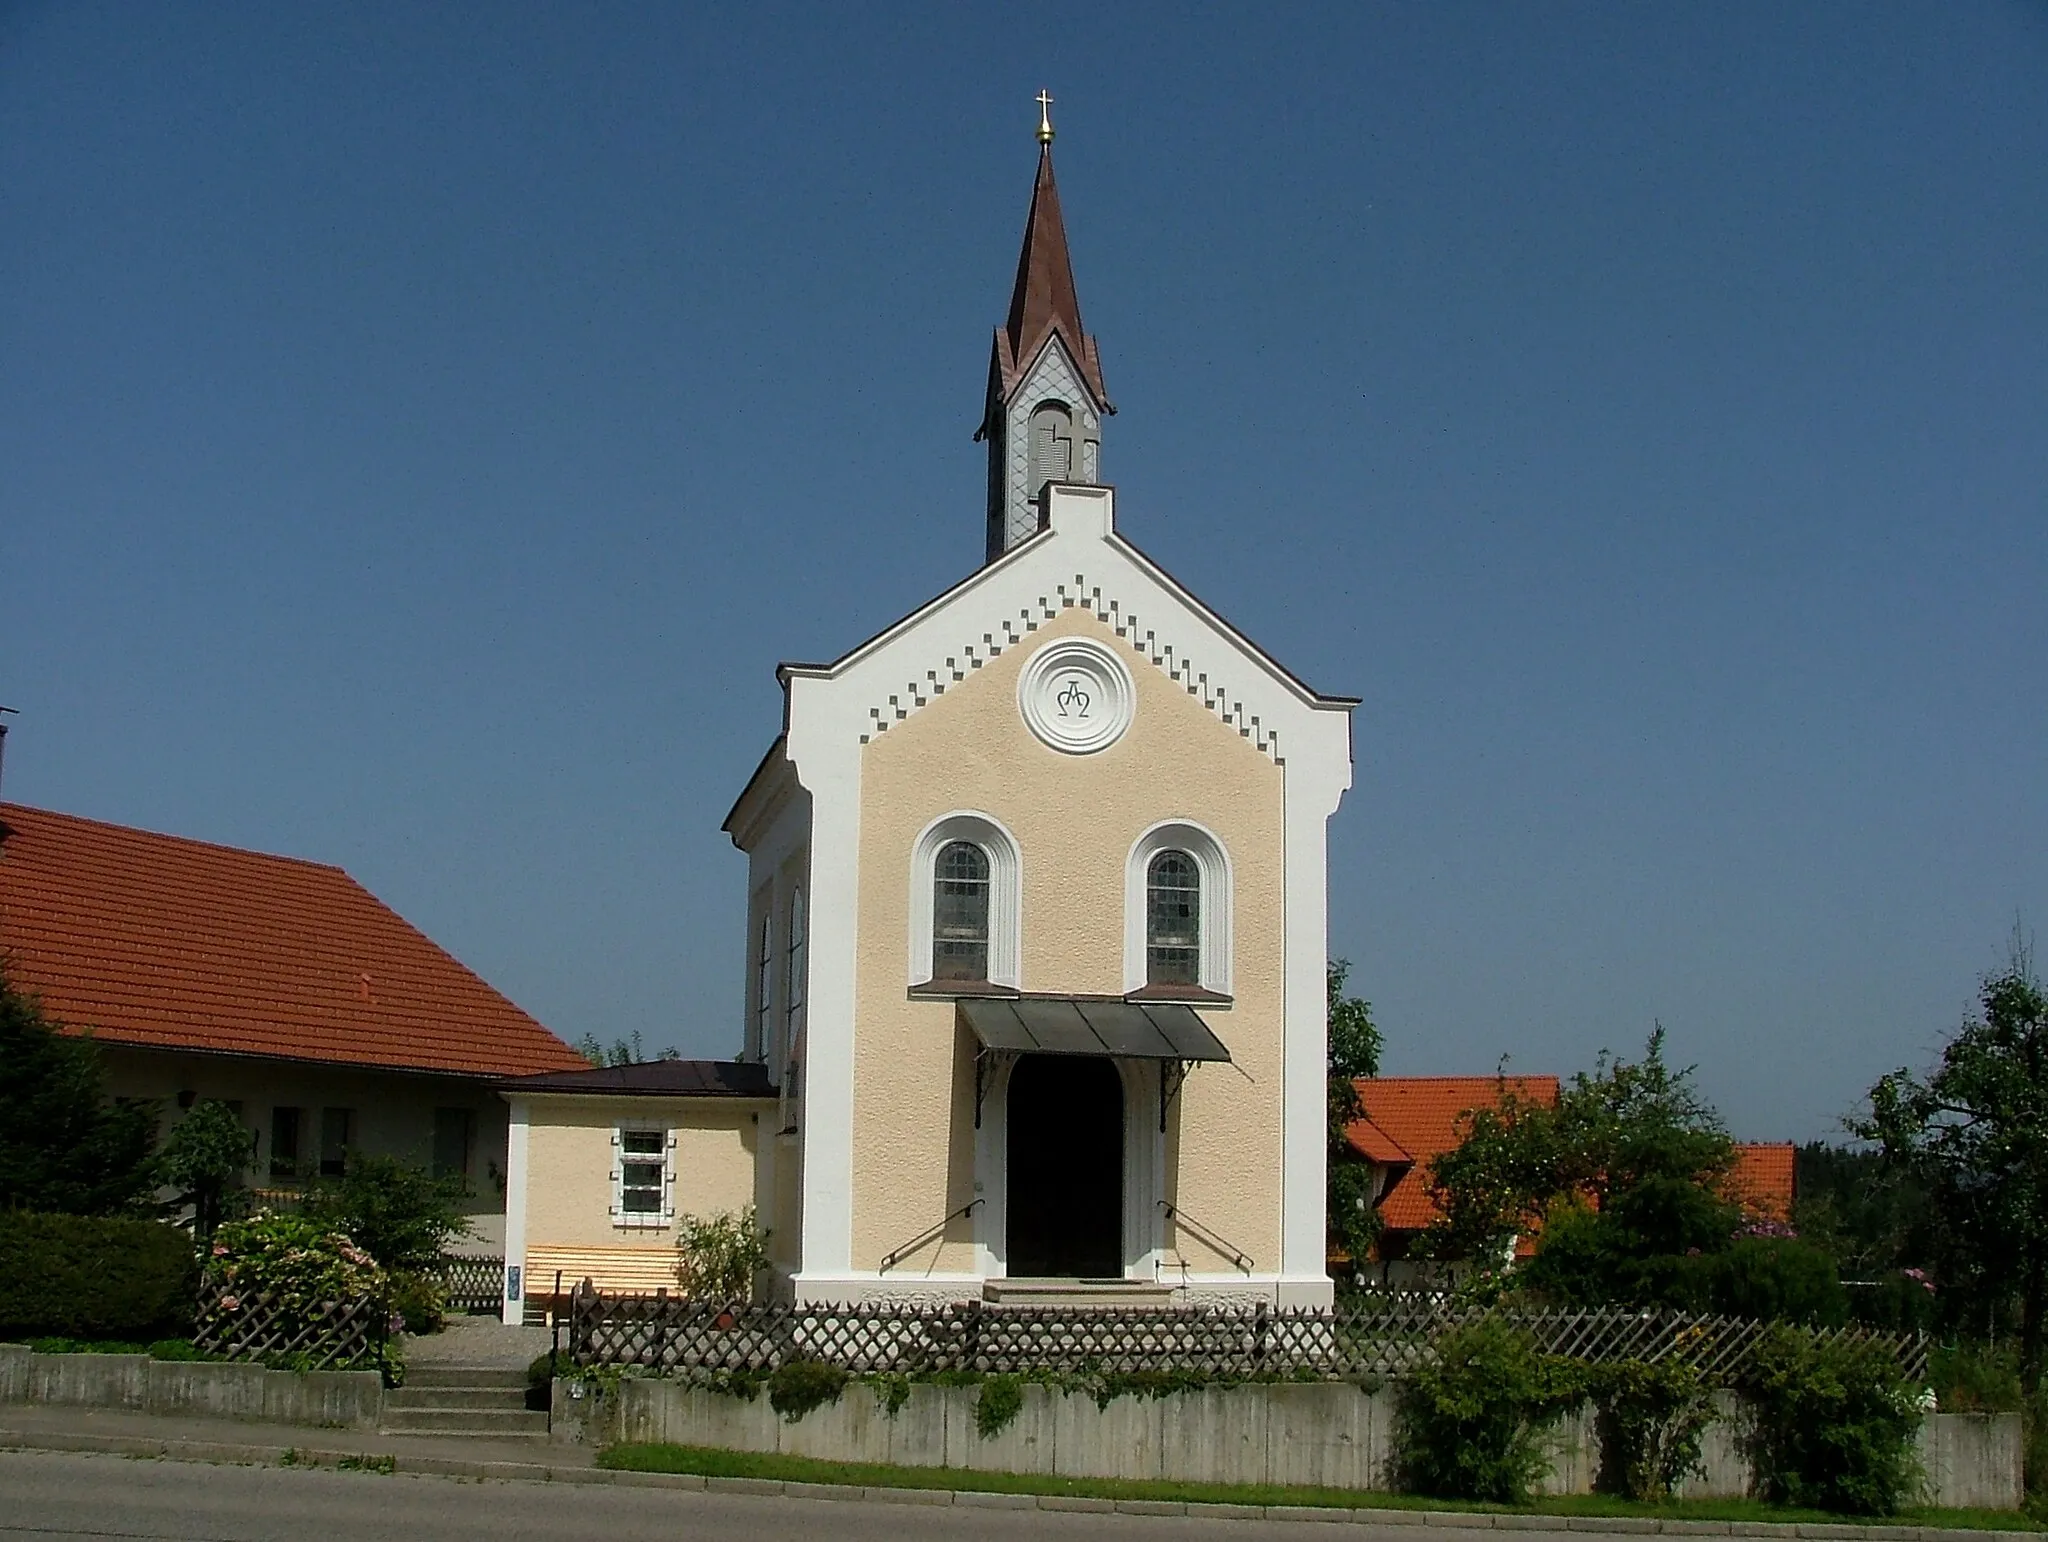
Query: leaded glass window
(960,912)
(1173,920)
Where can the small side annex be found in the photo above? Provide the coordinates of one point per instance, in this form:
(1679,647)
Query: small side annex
(603,1161)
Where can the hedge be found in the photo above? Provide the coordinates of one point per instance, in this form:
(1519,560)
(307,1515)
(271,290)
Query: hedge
(93,1277)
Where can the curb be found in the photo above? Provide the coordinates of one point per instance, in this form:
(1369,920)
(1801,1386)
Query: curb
(541,1472)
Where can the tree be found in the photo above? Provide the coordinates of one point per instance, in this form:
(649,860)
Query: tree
(1974,1134)
(1354,1051)
(204,1159)
(64,1144)
(621,1052)
(1624,1176)
(401,1215)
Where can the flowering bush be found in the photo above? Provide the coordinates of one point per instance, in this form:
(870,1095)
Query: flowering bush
(293,1260)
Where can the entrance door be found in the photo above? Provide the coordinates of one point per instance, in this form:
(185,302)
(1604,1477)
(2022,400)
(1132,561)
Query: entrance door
(1066,1167)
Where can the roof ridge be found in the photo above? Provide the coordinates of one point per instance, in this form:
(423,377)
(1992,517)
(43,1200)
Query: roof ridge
(161,835)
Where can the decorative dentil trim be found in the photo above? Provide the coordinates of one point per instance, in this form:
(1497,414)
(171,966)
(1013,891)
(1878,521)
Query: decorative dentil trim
(1127,624)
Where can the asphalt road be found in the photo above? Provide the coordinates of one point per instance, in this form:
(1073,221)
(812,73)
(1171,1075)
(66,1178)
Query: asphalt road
(73,1498)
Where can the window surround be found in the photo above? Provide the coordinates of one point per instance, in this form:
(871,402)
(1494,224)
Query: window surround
(643,1219)
(1213,863)
(1005,898)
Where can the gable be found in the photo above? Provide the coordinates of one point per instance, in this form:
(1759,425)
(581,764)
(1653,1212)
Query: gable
(1078,562)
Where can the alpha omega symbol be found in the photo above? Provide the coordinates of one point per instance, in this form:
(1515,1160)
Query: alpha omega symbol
(1072,699)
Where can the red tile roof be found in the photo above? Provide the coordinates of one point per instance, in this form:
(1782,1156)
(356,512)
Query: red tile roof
(157,940)
(1422,1116)
(1762,1179)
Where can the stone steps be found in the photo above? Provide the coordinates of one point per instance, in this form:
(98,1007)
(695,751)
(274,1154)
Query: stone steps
(488,1402)
(422,1375)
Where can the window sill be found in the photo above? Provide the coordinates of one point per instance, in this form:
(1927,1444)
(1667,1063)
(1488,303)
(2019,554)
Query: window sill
(1190,995)
(649,1223)
(951,990)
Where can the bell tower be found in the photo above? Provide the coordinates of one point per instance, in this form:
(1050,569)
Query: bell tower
(1043,417)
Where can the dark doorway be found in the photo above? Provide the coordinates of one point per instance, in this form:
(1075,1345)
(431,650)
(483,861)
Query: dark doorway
(1066,1197)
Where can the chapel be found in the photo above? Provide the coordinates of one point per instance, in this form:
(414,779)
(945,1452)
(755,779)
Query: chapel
(1036,932)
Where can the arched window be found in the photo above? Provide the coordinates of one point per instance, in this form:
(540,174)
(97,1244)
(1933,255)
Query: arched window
(966,894)
(1173,920)
(764,978)
(1052,445)
(793,984)
(1177,905)
(960,894)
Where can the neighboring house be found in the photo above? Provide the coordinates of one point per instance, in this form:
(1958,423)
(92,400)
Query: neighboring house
(278,986)
(1409,1121)
(1035,931)
(1764,1180)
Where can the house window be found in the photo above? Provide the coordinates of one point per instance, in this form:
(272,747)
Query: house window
(454,1135)
(642,1176)
(960,888)
(285,1127)
(764,978)
(1173,920)
(337,1134)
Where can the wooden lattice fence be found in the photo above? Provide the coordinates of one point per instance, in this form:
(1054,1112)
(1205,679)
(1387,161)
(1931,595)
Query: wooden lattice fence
(1384,1337)
(327,1336)
(473,1284)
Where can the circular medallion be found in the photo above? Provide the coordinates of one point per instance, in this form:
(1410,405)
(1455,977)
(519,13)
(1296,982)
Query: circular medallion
(1076,695)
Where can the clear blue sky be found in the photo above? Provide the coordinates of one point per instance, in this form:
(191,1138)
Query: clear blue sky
(422,428)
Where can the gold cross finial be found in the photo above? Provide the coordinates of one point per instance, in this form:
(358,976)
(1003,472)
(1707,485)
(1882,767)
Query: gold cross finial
(1044,118)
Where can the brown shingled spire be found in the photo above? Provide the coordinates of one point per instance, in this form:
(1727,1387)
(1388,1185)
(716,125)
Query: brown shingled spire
(1044,300)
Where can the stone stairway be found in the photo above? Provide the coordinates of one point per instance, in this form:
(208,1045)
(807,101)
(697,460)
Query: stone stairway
(442,1399)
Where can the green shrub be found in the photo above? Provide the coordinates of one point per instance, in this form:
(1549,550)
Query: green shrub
(718,1257)
(997,1405)
(1968,1378)
(1832,1423)
(540,1379)
(1773,1279)
(1651,1418)
(798,1386)
(87,1277)
(401,1215)
(419,1302)
(1471,1419)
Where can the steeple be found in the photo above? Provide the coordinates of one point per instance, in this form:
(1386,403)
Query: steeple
(1046,402)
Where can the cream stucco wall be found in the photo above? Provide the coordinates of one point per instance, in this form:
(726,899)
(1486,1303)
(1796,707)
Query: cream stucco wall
(1075,819)
(570,1160)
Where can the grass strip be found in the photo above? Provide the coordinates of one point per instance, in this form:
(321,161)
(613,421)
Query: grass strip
(713,1462)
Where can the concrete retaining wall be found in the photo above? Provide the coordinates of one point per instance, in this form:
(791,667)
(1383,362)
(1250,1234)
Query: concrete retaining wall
(329,1399)
(1327,1435)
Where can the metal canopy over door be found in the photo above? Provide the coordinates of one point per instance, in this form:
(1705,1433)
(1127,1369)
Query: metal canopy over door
(1166,1031)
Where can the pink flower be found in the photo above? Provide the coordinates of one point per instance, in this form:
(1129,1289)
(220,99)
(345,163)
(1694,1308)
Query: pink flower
(220,1250)
(230,1303)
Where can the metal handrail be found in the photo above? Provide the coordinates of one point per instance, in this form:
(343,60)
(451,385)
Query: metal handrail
(1239,1258)
(891,1260)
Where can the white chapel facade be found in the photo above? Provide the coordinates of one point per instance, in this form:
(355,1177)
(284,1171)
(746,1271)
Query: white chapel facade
(1036,932)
